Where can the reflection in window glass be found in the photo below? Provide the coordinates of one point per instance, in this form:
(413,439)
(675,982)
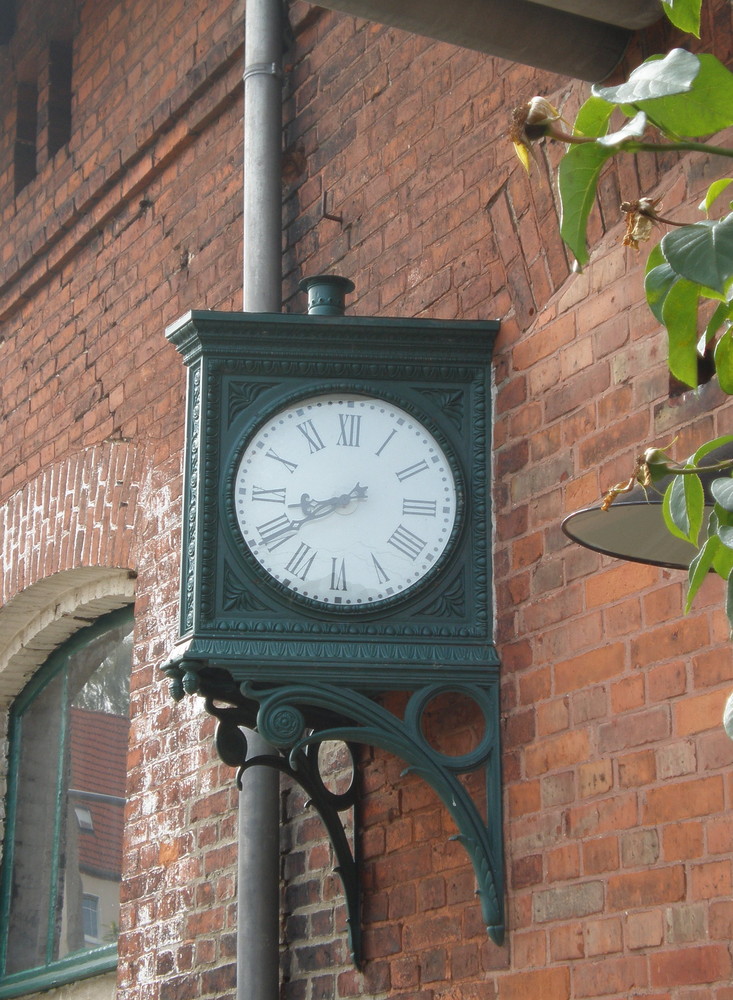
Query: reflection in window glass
(63,852)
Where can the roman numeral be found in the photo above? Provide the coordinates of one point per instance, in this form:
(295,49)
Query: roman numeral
(381,575)
(301,561)
(273,533)
(411,470)
(428,508)
(338,574)
(350,424)
(311,435)
(385,443)
(406,542)
(290,466)
(269,496)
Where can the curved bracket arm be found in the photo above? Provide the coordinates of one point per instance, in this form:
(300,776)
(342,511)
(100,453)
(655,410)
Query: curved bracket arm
(303,767)
(282,721)
(297,718)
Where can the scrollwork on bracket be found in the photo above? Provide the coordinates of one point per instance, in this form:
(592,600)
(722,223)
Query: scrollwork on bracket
(303,766)
(358,719)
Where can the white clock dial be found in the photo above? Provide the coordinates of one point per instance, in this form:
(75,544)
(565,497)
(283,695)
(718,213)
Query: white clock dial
(344,499)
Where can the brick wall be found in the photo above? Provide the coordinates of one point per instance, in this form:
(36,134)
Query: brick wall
(617,772)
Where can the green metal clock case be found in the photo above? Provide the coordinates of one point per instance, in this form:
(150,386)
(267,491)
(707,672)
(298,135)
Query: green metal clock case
(245,366)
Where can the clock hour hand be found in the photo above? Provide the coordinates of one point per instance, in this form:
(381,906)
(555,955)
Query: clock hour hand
(313,509)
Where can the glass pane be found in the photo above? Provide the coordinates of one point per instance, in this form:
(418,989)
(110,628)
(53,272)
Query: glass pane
(40,739)
(99,696)
(71,787)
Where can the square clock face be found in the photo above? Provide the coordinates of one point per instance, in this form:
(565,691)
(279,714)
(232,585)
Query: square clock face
(337,496)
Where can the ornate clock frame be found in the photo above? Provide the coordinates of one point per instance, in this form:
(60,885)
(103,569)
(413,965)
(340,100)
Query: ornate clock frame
(301,673)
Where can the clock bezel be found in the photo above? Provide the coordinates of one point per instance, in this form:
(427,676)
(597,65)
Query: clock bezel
(286,398)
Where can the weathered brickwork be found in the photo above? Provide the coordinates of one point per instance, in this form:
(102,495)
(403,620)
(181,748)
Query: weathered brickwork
(617,774)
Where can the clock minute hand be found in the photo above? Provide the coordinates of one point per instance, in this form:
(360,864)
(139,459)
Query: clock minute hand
(313,509)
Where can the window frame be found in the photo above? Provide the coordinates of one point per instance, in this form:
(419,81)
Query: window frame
(91,961)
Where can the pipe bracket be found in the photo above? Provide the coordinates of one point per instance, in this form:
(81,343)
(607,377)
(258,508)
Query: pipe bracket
(263,69)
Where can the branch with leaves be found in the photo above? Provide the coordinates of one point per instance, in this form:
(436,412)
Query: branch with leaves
(669,103)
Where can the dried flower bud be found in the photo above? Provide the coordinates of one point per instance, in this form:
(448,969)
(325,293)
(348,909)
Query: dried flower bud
(640,218)
(530,122)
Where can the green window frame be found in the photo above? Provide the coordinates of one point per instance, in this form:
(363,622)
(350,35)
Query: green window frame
(63,689)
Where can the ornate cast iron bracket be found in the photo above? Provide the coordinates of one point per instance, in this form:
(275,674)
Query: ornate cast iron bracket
(302,766)
(297,718)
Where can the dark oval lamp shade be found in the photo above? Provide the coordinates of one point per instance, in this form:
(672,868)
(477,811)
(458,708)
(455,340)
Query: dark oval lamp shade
(633,527)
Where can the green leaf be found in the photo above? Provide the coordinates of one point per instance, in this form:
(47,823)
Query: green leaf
(683,94)
(684,14)
(631,130)
(683,507)
(724,362)
(729,599)
(723,312)
(707,108)
(577,178)
(723,561)
(713,192)
(657,284)
(725,534)
(709,446)
(702,252)
(700,566)
(593,116)
(723,558)
(679,315)
(722,490)
(654,79)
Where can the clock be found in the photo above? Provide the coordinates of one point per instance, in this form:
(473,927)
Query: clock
(337,500)
(346,500)
(336,545)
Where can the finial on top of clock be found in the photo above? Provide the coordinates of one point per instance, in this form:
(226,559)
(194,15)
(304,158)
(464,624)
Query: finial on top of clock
(326,294)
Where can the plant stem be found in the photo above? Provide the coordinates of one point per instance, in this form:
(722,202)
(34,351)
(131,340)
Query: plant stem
(717,467)
(673,147)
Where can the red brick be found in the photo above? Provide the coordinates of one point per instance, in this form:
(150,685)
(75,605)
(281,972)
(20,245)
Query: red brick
(600,855)
(555,752)
(567,942)
(617,582)
(591,668)
(603,937)
(633,730)
(637,769)
(696,713)
(612,975)
(707,964)
(647,888)
(711,880)
(550,984)
(683,800)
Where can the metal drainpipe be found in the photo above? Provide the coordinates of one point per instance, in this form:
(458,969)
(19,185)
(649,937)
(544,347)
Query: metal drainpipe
(258,890)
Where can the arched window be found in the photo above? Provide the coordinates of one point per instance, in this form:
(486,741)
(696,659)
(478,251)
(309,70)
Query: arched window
(62,857)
